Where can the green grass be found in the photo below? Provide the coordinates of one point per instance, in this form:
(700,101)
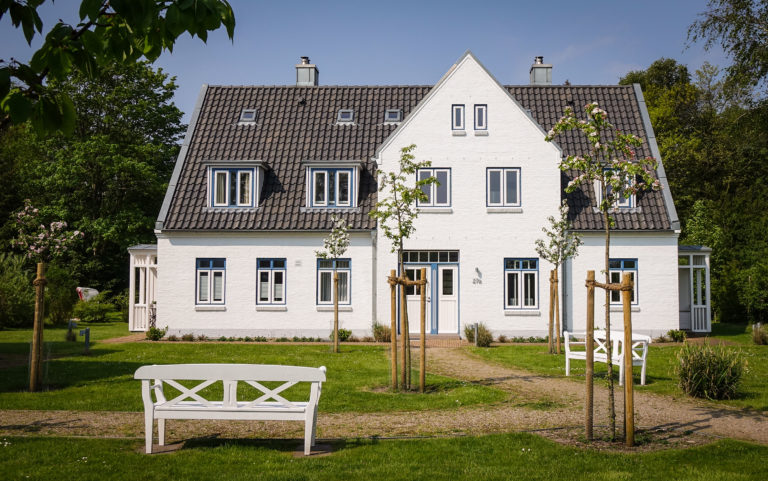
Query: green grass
(356,378)
(739,333)
(16,341)
(496,457)
(660,377)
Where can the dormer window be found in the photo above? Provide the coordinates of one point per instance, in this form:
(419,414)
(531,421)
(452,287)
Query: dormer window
(622,202)
(345,116)
(234,183)
(393,116)
(248,116)
(331,187)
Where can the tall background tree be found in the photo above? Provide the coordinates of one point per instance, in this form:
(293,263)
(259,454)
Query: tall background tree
(107,179)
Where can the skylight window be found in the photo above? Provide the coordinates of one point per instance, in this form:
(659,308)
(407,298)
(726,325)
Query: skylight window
(346,116)
(393,115)
(248,115)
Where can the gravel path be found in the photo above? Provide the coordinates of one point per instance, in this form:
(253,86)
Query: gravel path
(535,403)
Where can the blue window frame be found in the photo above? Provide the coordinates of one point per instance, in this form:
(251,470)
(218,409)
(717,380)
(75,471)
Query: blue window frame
(481,117)
(270,281)
(331,187)
(439,193)
(210,280)
(617,269)
(457,116)
(325,269)
(521,283)
(503,187)
(231,187)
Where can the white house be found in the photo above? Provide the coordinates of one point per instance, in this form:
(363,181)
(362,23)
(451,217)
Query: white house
(263,169)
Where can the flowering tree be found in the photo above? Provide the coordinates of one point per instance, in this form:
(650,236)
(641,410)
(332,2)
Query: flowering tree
(334,246)
(611,167)
(396,212)
(40,242)
(562,245)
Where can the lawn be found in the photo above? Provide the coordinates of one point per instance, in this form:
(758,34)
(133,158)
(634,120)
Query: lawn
(660,376)
(356,379)
(495,457)
(16,341)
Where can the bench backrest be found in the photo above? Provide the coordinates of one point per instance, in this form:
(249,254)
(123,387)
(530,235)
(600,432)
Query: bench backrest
(232,372)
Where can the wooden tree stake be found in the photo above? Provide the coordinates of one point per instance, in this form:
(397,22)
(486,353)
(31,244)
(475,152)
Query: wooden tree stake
(629,400)
(36,364)
(557,310)
(550,329)
(590,346)
(403,339)
(393,327)
(423,339)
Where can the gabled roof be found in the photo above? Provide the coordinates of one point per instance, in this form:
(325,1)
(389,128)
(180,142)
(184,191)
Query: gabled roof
(296,124)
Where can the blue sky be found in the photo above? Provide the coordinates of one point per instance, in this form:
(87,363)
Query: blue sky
(414,42)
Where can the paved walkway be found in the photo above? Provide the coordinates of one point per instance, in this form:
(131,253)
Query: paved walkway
(535,403)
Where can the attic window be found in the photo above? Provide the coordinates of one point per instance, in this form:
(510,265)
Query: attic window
(346,116)
(248,115)
(393,115)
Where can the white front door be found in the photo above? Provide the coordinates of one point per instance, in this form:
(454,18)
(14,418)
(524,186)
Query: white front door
(413,295)
(447,299)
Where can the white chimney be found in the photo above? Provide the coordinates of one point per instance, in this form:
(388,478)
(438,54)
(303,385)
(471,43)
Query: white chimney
(307,74)
(541,73)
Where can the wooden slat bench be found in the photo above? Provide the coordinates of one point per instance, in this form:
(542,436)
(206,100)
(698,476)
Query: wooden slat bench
(640,344)
(190,404)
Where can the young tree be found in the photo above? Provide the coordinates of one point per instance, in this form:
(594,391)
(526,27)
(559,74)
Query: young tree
(610,166)
(396,212)
(110,31)
(563,244)
(334,246)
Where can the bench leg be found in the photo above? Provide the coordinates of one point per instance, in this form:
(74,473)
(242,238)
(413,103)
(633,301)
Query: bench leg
(308,429)
(621,374)
(148,427)
(161,432)
(567,366)
(642,374)
(314,427)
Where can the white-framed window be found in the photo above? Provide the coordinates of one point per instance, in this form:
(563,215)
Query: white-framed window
(248,116)
(617,269)
(457,117)
(621,203)
(270,281)
(232,187)
(521,283)
(210,280)
(393,116)
(438,193)
(325,269)
(331,187)
(345,116)
(503,187)
(481,117)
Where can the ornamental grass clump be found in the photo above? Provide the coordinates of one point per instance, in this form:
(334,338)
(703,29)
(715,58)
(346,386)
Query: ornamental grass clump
(710,372)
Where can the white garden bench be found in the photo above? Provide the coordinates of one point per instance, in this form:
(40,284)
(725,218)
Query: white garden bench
(190,404)
(640,344)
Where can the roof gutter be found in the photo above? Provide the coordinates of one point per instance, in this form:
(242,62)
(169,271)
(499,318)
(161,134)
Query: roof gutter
(180,160)
(666,192)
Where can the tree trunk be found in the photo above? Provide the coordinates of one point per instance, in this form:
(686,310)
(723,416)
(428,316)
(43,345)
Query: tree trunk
(335,311)
(423,339)
(557,311)
(36,362)
(609,347)
(589,347)
(403,339)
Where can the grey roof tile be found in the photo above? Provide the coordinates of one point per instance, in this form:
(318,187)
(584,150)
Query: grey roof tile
(299,123)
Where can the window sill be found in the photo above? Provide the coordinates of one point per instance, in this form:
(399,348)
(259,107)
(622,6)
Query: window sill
(210,308)
(435,210)
(459,133)
(233,208)
(621,308)
(272,308)
(330,308)
(332,208)
(504,210)
(522,313)
(481,133)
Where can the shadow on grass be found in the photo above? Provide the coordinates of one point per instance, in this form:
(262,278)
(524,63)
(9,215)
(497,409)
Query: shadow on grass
(66,372)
